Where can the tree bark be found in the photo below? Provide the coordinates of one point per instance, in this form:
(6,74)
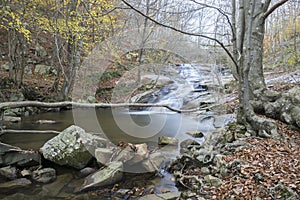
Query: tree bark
(254,95)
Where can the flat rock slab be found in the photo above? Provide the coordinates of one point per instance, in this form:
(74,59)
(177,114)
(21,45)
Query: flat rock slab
(12,185)
(104,177)
(11,155)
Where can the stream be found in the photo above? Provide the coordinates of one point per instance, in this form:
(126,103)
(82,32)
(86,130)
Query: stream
(192,86)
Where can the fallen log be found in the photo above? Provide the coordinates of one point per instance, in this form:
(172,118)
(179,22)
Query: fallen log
(14,131)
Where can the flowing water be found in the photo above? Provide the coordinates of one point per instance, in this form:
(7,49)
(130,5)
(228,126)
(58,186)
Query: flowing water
(191,84)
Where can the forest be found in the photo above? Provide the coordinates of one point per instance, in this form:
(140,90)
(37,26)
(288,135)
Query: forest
(201,94)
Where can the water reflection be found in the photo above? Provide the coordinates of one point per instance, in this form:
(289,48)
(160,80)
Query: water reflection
(117,125)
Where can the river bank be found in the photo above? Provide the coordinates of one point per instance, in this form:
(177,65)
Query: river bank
(231,163)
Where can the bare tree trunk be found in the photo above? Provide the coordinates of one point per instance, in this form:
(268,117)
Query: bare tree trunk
(74,49)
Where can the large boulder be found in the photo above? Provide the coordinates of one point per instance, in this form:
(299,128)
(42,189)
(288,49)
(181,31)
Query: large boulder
(11,155)
(68,148)
(104,177)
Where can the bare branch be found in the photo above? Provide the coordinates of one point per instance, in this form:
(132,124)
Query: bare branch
(222,12)
(273,8)
(184,32)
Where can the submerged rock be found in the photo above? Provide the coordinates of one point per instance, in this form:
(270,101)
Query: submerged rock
(45,121)
(104,177)
(53,189)
(45,175)
(67,148)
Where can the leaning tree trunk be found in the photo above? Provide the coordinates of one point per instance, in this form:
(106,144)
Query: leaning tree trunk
(253,93)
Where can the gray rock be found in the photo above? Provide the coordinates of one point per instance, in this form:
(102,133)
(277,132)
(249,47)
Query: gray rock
(188,143)
(26,173)
(164,196)
(205,156)
(11,155)
(68,148)
(164,140)
(295,92)
(12,119)
(12,185)
(103,155)
(18,96)
(5,66)
(214,181)
(104,177)
(45,175)
(205,170)
(196,134)
(42,69)
(92,141)
(124,155)
(154,162)
(218,160)
(121,193)
(54,188)
(141,152)
(9,172)
(91,99)
(40,51)
(45,121)
(87,171)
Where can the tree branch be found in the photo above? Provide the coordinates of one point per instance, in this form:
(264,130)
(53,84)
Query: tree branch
(222,12)
(183,32)
(273,8)
(20,104)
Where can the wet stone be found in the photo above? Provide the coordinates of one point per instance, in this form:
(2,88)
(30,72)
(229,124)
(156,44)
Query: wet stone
(53,189)
(8,172)
(104,177)
(165,196)
(12,185)
(45,175)
(164,140)
(196,134)
(87,171)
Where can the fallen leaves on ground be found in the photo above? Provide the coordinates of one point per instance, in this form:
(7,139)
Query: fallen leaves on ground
(269,163)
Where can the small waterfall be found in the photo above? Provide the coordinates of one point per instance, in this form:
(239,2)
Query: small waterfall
(189,84)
